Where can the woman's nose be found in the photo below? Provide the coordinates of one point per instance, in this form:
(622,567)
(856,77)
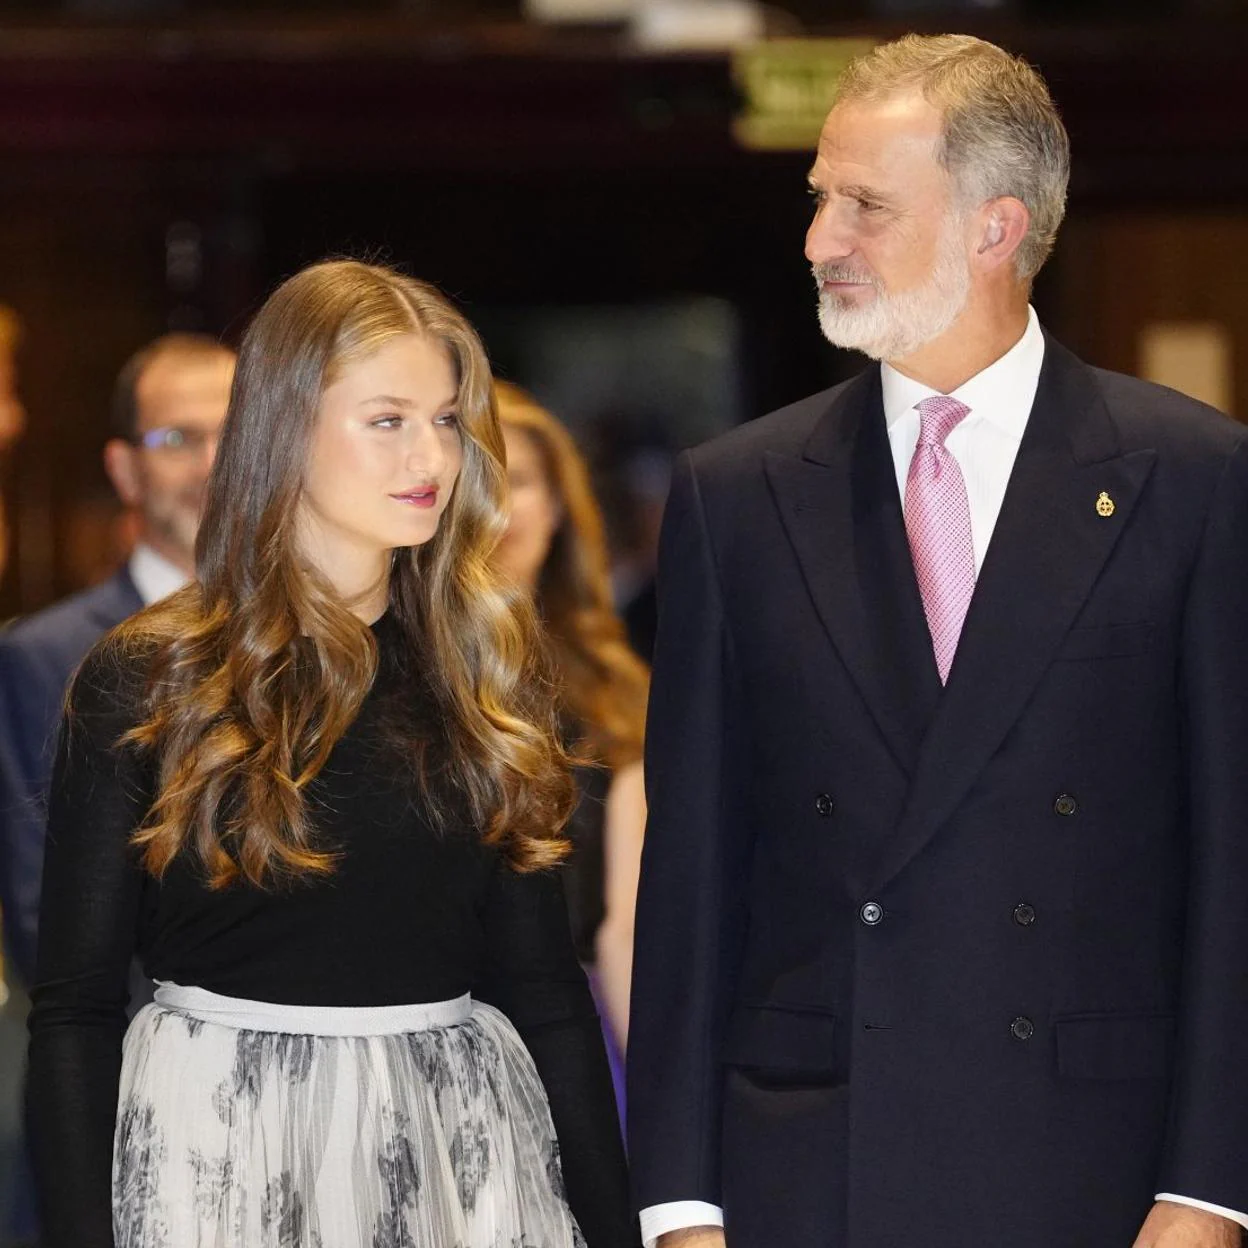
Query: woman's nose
(426,452)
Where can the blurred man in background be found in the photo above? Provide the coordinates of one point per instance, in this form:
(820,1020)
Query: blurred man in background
(168,408)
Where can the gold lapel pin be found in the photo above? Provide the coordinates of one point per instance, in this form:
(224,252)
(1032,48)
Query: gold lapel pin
(1104,504)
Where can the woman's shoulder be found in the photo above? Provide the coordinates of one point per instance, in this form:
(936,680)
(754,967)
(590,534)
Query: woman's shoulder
(115,674)
(106,695)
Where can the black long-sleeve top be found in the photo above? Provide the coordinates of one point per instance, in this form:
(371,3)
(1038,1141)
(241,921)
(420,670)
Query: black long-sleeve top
(410,914)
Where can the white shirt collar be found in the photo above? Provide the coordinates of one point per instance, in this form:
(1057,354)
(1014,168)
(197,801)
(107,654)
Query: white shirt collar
(153,575)
(1001,394)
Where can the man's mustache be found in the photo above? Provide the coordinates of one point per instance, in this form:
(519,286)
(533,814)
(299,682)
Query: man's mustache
(841,273)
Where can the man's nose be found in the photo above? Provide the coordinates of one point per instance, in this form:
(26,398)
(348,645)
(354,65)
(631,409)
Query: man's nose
(828,238)
(208,448)
(203,452)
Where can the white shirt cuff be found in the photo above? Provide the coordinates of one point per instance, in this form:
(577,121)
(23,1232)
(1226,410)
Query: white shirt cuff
(1234,1215)
(677,1215)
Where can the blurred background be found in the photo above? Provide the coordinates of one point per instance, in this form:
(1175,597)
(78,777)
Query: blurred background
(612,189)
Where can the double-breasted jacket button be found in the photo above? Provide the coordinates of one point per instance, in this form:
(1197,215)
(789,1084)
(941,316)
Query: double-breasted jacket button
(1024,915)
(1022,1028)
(1065,805)
(824,804)
(871,913)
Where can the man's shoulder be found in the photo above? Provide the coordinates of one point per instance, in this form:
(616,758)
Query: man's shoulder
(784,431)
(1152,416)
(57,637)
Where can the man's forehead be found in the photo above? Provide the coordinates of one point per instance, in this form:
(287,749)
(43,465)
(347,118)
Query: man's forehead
(191,382)
(903,126)
(172,372)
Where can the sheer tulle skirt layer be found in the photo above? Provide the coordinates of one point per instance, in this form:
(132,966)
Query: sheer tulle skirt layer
(435,1136)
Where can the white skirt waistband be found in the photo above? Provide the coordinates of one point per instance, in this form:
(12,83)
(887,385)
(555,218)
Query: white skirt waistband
(313,1020)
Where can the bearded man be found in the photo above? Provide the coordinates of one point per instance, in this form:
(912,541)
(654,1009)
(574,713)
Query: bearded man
(942,936)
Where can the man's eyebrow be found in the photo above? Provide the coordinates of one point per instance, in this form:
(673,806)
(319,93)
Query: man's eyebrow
(853,190)
(856,190)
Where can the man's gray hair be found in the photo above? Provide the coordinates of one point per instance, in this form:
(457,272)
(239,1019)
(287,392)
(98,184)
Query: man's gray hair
(1002,134)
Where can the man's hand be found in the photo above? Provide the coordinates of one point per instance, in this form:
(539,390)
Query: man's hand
(1172,1225)
(699,1237)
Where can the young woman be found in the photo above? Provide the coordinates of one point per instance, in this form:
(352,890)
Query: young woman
(554,547)
(319,792)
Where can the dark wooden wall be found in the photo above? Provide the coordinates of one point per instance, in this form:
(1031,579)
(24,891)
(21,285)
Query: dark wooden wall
(170,174)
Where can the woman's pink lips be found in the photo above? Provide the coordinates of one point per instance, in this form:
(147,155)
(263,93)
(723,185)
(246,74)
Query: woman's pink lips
(427,497)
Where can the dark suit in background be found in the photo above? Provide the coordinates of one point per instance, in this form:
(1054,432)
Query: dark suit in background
(37,657)
(957,967)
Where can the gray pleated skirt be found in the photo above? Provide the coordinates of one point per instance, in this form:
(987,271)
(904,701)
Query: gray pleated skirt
(242,1123)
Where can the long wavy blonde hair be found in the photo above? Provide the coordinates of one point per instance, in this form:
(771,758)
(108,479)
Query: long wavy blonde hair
(257,671)
(604,683)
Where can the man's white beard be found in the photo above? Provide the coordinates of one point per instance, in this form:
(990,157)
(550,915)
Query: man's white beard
(893,326)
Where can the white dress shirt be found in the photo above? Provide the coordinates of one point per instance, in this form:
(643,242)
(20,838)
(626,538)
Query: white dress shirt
(985,444)
(153,575)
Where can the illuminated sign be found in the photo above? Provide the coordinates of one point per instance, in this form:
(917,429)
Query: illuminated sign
(788,86)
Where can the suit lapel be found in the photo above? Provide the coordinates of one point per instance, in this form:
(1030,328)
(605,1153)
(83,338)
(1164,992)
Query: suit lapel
(1048,548)
(842,514)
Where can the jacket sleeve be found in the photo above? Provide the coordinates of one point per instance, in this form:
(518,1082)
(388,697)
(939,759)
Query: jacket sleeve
(692,913)
(89,919)
(1207,1141)
(30,705)
(532,975)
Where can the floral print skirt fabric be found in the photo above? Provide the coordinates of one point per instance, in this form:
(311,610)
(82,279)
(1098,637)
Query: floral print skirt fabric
(434,1137)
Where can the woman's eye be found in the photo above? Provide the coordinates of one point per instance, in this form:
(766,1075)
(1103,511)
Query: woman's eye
(387,422)
(448,418)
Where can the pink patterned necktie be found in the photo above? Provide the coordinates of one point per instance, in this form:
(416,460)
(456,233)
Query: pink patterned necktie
(938,524)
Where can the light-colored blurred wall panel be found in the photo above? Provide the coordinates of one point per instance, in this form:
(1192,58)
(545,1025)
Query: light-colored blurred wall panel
(1116,276)
(1196,357)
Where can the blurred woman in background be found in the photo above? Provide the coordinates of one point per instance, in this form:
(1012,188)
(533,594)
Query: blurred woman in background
(555,547)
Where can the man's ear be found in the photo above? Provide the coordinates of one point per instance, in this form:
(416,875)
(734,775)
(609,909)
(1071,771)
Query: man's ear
(121,462)
(1003,224)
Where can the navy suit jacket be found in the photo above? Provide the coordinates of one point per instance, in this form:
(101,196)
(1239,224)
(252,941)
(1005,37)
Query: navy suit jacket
(954,966)
(38,655)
